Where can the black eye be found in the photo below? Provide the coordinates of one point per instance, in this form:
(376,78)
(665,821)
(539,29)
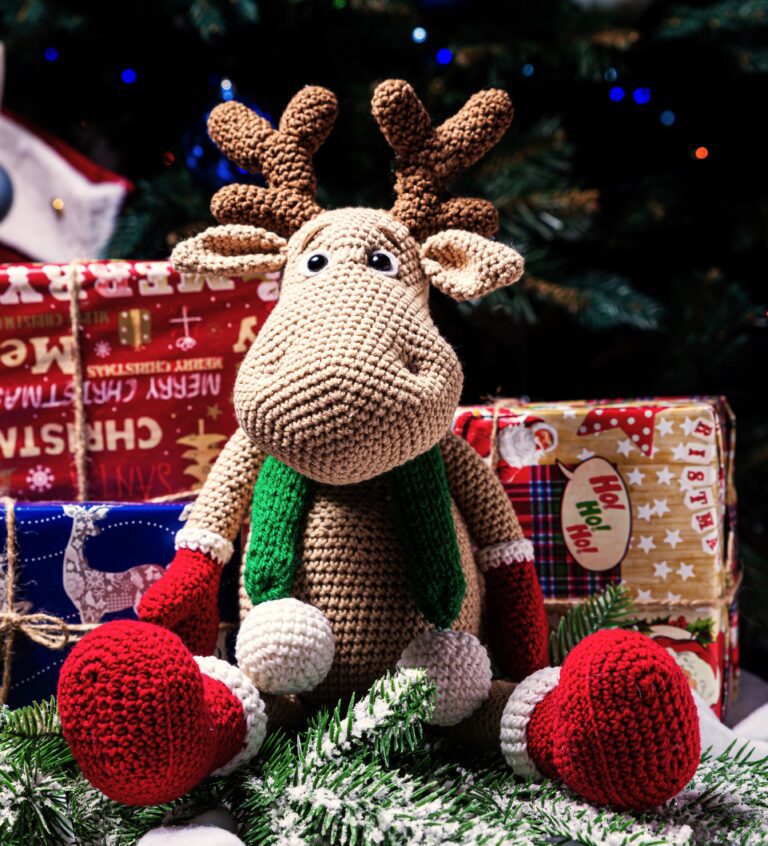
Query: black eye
(383,262)
(315,262)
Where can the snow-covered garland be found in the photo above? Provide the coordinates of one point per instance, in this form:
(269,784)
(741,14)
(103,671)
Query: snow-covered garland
(366,775)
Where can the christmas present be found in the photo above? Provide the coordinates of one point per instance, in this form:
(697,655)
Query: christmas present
(122,392)
(638,492)
(65,568)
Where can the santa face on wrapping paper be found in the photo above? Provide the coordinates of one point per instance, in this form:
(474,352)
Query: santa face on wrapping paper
(525,444)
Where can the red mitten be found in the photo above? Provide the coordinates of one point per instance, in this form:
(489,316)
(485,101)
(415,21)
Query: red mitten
(185,600)
(617,722)
(517,623)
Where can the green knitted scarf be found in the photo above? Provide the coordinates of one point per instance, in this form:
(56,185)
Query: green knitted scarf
(422,507)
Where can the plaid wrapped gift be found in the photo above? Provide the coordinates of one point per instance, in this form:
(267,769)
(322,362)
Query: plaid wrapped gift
(638,492)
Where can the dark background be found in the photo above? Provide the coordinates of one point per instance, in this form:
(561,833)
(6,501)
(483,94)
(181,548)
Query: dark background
(646,264)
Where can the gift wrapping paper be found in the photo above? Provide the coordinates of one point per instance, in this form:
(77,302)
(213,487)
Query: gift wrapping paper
(638,492)
(159,351)
(85,564)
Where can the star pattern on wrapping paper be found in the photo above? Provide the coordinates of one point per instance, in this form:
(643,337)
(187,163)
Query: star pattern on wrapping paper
(636,476)
(569,412)
(660,507)
(645,512)
(673,597)
(646,543)
(665,427)
(637,423)
(664,476)
(685,571)
(680,451)
(673,538)
(661,570)
(644,596)
(213,411)
(688,425)
(624,447)
(585,454)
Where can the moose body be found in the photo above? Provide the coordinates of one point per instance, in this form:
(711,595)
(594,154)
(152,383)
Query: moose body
(377,541)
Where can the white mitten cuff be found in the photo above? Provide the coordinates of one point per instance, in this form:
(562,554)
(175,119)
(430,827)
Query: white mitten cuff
(204,540)
(501,554)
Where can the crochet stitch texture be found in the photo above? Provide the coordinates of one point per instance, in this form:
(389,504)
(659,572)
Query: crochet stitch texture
(347,394)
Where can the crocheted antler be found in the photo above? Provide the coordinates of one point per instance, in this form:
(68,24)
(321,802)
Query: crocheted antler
(283,155)
(429,157)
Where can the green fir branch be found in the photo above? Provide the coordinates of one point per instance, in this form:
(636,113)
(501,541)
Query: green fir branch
(607,610)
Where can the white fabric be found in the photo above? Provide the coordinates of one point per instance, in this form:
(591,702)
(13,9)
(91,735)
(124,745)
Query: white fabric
(285,646)
(214,828)
(501,554)
(253,708)
(40,174)
(459,666)
(517,714)
(205,541)
(718,737)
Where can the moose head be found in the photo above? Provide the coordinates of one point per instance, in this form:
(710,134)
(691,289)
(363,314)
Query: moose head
(349,376)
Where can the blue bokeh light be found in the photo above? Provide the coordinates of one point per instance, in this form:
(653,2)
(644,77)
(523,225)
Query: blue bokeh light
(667,118)
(444,56)
(528,69)
(128,76)
(51,54)
(616,93)
(611,75)
(419,35)
(641,96)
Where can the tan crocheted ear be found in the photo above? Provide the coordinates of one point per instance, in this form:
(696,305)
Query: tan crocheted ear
(232,250)
(465,265)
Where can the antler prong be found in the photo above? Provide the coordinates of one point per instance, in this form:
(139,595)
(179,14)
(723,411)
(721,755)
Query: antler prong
(283,155)
(427,157)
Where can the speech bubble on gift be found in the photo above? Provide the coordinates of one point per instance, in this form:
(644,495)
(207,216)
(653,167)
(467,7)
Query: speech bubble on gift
(595,514)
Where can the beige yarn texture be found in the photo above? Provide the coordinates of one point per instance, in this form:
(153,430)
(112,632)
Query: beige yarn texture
(285,646)
(459,666)
(349,376)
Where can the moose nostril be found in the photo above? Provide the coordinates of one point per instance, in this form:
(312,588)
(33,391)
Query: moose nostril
(412,366)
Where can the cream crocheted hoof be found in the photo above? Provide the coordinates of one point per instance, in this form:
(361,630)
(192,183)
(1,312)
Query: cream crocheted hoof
(459,666)
(285,646)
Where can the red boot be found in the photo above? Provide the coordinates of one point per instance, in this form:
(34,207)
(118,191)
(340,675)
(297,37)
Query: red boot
(146,721)
(617,723)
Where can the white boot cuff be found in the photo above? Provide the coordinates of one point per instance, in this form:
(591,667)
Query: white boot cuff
(517,714)
(253,708)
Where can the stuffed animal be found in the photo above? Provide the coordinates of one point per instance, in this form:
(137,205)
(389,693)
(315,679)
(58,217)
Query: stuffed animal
(378,539)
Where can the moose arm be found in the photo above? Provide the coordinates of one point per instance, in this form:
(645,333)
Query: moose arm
(185,599)
(225,497)
(516,622)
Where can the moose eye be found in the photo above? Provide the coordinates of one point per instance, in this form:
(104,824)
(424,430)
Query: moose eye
(315,262)
(383,262)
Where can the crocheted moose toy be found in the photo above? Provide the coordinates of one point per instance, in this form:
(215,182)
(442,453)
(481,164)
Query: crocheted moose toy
(365,512)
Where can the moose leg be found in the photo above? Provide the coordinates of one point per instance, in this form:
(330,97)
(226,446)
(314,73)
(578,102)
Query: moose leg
(146,721)
(617,722)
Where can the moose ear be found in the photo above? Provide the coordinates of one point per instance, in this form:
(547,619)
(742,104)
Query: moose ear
(230,250)
(465,265)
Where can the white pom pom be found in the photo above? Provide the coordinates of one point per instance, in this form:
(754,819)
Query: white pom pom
(285,646)
(459,665)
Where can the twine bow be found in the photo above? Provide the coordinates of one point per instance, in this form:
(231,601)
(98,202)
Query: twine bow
(44,629)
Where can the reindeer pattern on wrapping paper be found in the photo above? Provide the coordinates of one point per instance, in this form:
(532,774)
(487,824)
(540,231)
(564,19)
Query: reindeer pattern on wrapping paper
(94,592)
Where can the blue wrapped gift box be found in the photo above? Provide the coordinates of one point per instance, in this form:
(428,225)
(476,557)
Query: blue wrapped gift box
(84,564)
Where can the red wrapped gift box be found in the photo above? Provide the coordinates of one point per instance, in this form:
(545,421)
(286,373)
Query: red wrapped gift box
(159,353)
